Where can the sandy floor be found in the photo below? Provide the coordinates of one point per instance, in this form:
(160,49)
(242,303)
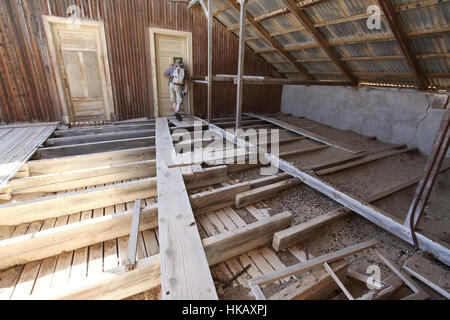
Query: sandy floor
(306,203)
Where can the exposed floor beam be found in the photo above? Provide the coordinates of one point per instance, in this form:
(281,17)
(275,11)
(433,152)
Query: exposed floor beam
(101,130)
(317,286)
(54,241)
(102,175)
(83,178)
(118,284)
(303,18)
(246,198)
(54,206)
(368,159)
(230,244)
(402,40)
(370,212)
(53,142)
(93,147)
(89,161)
(185,272)
(311,264)
(274,42)
(307,133)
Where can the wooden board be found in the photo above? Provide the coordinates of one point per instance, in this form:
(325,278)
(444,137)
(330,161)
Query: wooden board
(309,134)
(316,286)
(263,193)
(58,205)
(17,145)
(185,271)
(232,243)
(40,245)
(429,273)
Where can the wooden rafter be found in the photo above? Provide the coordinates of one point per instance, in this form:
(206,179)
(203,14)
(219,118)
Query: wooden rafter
(361,16)
(273,42)
(280,12)
(272,14)
(303,18)
(402,40)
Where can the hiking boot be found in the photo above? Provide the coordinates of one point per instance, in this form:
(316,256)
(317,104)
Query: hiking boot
(179,118)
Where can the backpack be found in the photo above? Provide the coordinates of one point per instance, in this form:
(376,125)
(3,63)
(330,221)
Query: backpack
(178,76)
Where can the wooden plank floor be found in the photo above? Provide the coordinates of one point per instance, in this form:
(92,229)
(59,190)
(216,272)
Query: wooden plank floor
(17,145)
(185,272)
(43,277)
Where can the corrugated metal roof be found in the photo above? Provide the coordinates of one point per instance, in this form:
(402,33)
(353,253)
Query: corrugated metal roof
(343,23)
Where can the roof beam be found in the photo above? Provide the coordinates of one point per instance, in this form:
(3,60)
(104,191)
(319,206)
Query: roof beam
(279,12)
(273,42)
(362,39)
(302,17)
(402,40)
(272,14)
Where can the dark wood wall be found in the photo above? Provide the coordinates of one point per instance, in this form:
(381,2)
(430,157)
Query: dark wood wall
(27,82)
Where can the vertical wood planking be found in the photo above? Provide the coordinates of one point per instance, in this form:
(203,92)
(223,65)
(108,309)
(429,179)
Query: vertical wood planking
(27,82)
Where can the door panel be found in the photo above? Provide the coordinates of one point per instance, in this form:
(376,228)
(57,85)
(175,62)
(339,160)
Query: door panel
(168,47)
(80,55)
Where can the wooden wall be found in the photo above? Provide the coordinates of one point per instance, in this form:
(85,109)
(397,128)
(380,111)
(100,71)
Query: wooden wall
(27,82)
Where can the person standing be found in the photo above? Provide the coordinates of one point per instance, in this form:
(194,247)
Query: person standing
(178,84)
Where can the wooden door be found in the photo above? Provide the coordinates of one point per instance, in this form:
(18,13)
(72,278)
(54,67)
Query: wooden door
(167,47)
(80,56)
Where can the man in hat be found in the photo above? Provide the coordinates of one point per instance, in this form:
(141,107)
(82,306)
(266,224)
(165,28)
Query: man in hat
(178,84)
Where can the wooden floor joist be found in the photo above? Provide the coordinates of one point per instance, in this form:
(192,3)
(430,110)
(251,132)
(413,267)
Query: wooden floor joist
(82,162)
(63,204)
(115,173)
(362,161)
(429,273)
(101,130)
(93,147)
(298,233)
(263,193)
(117,283)
(229,244)
(217,198)
(370,212)
(54,142)
(185,271)
(313,263)
(316,286)
(54,241)
(309,134)
(206,177)
(84,178)
(51,242)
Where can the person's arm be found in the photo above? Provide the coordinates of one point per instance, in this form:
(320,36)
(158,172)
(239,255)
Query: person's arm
(167,72)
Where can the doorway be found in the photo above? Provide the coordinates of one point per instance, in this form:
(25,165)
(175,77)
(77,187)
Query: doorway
(80,60)
(165,45)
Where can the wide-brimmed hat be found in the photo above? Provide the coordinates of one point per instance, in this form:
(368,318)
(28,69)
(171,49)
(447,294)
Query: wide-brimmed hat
(178,62)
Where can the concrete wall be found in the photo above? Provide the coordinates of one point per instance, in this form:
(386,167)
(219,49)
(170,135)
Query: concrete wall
(392,116)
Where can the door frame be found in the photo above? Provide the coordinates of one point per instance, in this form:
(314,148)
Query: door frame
(169,32)
(63,90)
